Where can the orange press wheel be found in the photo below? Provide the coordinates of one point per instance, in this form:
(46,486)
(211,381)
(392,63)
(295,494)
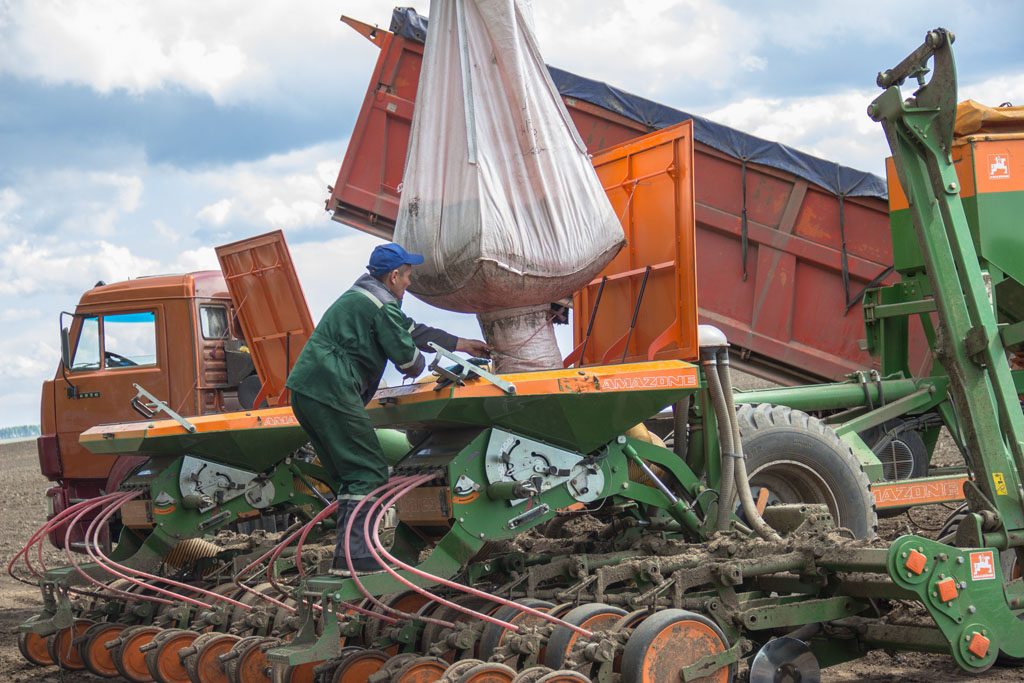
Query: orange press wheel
(592,616)
(205,666)
(669,641)
(454,671)
(299,673)
(128,658)
(393,665)
(357,667)
(61,647)
(531,675)
(421,670)
(408,601)
(162,658)
(489,673)
(93,648)
(33,648)
(247,661)
(494,635)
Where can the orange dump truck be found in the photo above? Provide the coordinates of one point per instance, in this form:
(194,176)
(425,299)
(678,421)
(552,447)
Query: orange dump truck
(182,341)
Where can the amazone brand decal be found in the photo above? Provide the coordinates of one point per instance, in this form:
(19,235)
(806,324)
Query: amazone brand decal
(163,510)
(657,382)
(998,166)
(462,500)
(983,566)
(892,495)
(279,421)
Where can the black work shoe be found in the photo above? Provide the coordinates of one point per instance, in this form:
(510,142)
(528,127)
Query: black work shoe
(363,566)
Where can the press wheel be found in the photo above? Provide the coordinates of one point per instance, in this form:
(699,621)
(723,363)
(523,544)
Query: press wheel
(592,617)
(162,659)
(357,667)
(93,648)
(33,648)
(494,635)
(409,602)
(433,633)
(205,665)
(61,648)
(669,641)
(393,665)
(490,672)
(247,660)
(421,670)
(298,673)
(531,675)
(454,671)
(128,658)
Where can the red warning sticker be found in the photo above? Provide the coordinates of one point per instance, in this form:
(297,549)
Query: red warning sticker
(983,565)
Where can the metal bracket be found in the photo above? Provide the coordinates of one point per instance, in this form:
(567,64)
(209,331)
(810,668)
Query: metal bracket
(155,406)
(464,369)
(705,666)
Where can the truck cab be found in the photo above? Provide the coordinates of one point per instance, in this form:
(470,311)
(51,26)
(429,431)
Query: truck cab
(176,336)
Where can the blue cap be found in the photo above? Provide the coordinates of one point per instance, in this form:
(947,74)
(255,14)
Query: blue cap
(388,257)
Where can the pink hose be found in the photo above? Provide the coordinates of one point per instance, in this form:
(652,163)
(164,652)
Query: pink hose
(348,554)
(67,551)
(94,530)
(384,505)
(41,533)
(481,594)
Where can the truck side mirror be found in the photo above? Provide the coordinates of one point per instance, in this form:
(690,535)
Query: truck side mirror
(65,347)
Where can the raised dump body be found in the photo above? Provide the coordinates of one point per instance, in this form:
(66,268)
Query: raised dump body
(785,241)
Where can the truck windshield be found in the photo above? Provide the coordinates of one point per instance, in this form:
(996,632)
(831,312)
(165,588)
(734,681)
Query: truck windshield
(129,339)
(87,353)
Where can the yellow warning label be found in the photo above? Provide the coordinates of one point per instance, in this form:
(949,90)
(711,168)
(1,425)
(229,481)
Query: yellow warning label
(1000,481)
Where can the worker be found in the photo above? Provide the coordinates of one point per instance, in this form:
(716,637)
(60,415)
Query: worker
(338,371)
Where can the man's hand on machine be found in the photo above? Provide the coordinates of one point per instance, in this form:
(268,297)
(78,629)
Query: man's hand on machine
(474,347)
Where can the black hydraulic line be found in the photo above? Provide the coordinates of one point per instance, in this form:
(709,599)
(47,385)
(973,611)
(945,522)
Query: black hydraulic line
(636,311)
(593,315)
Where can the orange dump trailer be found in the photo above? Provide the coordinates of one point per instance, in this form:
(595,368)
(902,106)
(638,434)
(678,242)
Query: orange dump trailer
(785,242)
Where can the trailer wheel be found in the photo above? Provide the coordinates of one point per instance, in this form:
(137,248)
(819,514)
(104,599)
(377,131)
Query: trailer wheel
(799,459)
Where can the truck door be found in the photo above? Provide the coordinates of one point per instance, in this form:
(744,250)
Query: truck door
(110,352)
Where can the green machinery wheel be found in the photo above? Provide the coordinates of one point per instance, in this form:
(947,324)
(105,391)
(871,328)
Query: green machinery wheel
(799,459)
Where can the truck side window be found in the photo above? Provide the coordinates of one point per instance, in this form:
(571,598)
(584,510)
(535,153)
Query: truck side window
(213,320)
(87,352)
(129,339)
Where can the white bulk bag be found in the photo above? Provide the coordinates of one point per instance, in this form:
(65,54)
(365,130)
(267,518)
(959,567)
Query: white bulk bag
(499,194)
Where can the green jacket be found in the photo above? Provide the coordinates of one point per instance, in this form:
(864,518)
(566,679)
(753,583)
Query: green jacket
(351,345)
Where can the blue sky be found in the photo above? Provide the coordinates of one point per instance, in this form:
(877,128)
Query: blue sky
(136,136)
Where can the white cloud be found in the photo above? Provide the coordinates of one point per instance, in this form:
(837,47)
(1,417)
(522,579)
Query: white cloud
(282,191)
(17,315)
(27,269)
(9,203)
(216,213)
(647,47)
(834,126)
(996,90)
(231,50)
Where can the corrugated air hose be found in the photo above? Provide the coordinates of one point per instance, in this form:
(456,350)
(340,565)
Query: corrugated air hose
(190,550)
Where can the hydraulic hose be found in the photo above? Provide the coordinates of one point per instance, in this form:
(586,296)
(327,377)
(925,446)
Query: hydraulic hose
(740,469)
(725,447)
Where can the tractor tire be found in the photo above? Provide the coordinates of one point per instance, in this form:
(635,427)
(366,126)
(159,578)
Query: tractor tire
(799,459)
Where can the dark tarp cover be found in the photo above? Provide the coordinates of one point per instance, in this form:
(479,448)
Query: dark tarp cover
(839,180)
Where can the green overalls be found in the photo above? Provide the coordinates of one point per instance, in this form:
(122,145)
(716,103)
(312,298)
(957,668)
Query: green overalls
(338,372)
